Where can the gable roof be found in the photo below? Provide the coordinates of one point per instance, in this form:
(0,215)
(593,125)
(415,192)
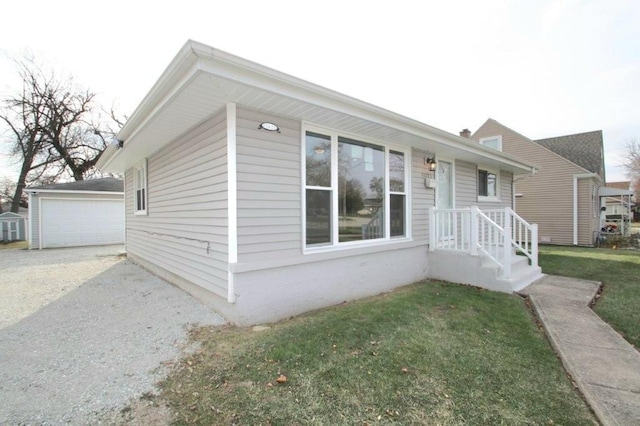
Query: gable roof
(583,149)
(619,185)
(90,185)
(202,81)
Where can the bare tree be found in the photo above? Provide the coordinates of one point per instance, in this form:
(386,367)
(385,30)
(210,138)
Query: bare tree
(55,128)
(632,164)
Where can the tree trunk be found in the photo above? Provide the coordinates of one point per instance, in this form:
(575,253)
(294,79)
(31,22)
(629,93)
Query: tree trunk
(21,184)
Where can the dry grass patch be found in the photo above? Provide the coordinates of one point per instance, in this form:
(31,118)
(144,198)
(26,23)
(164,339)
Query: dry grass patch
(431,353)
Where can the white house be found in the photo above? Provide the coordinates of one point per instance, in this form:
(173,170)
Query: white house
(267,196)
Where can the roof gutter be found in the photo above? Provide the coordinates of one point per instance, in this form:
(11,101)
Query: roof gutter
(575,202)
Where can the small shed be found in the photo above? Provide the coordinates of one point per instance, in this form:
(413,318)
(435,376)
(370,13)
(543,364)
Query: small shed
(81,213)
(12,227)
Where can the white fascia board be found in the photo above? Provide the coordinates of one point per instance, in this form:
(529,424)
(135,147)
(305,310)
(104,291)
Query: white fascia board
(169,80)
(195,57)
(107,155)
(68,191)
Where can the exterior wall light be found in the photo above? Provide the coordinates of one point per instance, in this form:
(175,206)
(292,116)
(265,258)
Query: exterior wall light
(269,127)
(431,163)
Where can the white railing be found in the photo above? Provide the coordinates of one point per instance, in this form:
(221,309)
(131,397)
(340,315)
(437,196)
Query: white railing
(493,233)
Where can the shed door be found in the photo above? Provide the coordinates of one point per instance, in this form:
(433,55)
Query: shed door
(68,223)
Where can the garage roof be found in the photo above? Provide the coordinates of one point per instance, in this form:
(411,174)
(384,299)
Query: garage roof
(91,185)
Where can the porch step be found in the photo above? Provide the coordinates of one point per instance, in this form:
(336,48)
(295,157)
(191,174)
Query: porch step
(481,271)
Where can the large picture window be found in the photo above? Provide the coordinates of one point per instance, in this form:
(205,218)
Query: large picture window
(354,190)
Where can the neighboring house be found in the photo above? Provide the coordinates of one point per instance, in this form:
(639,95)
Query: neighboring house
(81,213)
(617,199)
(562,197)
(268,196)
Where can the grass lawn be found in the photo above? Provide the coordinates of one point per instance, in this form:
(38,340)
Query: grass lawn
(618,270)
(430,353)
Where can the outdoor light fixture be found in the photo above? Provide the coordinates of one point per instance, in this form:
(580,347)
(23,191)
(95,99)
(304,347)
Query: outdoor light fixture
(269,127)
(431,163)
(319,150)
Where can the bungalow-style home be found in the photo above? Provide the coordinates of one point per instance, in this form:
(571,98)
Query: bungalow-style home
(268,196)
(563,196)
(81,213)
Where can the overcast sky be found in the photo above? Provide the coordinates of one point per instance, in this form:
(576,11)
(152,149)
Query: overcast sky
(543,68)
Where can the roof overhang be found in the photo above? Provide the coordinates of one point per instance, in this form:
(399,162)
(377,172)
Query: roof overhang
(70,191)
(605,191)
(201,80)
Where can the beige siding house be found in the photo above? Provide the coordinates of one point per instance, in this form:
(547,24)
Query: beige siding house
(268,196)
(562,197)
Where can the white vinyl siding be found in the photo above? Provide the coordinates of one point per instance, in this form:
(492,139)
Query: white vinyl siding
(185,231)
(467,188)
(422,199)
(269,199)
(34,223)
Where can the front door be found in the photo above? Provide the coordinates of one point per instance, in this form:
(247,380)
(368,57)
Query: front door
(444,199)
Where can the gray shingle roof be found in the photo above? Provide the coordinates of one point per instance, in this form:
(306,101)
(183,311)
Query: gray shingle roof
(102,184)
(583,149)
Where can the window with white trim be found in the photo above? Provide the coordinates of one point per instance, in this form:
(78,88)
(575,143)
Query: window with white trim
(140,188)
(355,190)
(493,142)
(488,184)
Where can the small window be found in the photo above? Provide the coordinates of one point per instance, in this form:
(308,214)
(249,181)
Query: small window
(493,142)
(488,185)
(140,188)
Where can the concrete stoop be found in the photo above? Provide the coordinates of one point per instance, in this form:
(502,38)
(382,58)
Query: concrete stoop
(480,271)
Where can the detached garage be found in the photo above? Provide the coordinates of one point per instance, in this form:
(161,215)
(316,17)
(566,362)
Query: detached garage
(81,213)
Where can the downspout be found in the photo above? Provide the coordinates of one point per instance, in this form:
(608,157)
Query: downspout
(575,202)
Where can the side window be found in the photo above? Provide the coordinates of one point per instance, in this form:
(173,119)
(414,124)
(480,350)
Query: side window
(140,188)
(488,185)
(493,142)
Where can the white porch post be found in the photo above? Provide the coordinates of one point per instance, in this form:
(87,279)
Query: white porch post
(432,228)
(506,243)
(473,235)
(534,244)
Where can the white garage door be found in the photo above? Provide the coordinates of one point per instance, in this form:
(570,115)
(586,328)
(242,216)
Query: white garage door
(69,223)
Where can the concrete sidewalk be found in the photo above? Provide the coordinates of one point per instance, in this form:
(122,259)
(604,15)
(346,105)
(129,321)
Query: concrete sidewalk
(605,367)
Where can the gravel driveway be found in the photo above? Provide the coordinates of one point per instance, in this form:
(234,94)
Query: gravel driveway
(83,331)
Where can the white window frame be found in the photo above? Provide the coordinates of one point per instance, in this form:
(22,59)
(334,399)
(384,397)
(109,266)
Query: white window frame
(335,245)
(498,138)
(491,170)
(140,186)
